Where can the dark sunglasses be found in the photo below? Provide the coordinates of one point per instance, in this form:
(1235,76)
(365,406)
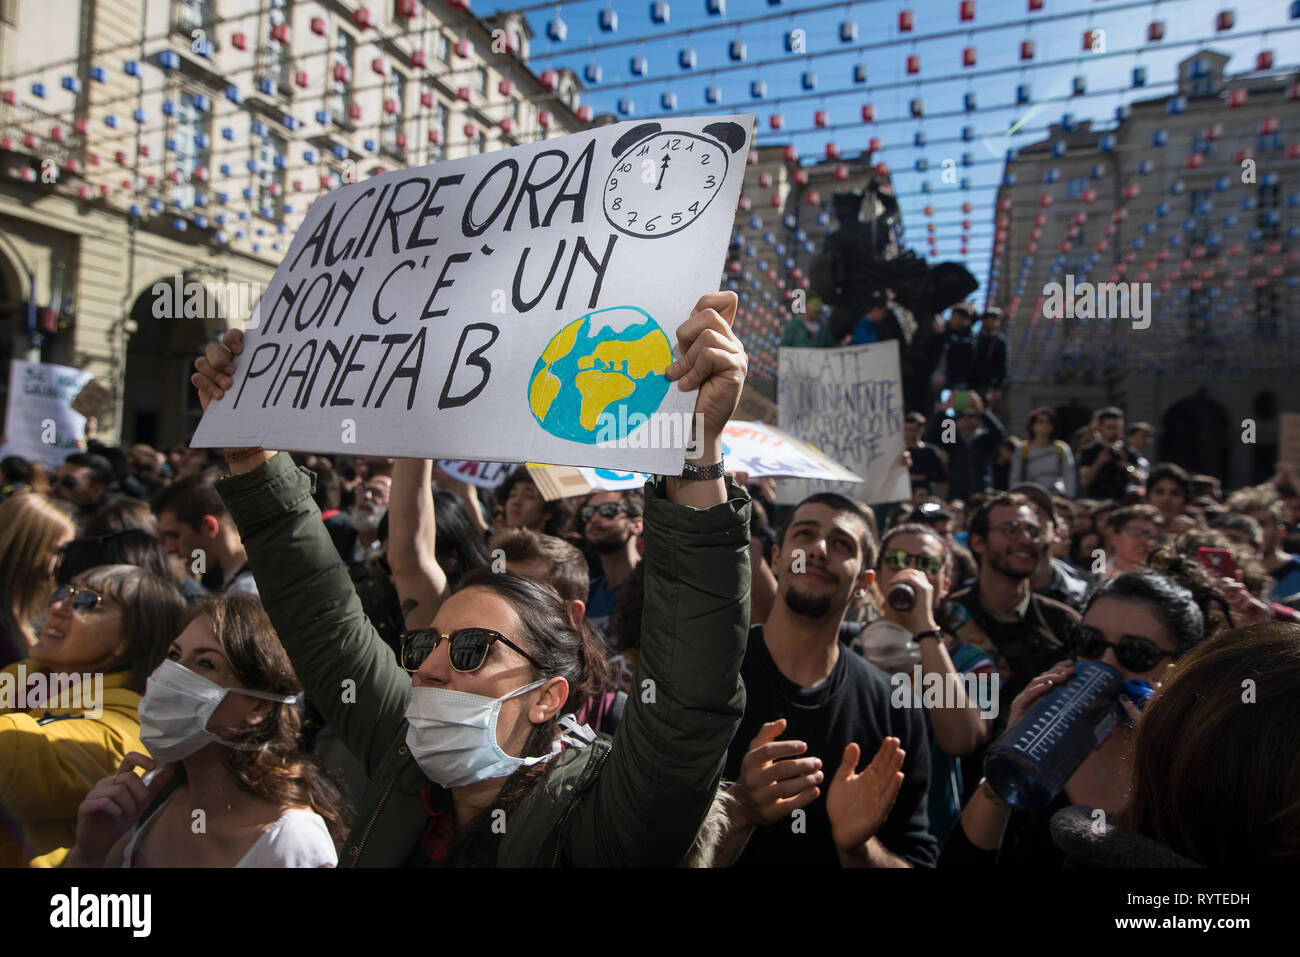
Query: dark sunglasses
(468,647)
(605,510)
(69,481)
(1133,653)
(897,559)
(83,599)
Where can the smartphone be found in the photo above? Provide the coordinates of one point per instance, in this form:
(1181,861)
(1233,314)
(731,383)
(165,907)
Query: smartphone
(961,401)
(1217,560)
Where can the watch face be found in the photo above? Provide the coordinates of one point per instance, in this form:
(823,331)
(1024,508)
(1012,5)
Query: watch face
(663,183)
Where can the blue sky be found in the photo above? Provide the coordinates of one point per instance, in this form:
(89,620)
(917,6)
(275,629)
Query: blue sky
(938,37)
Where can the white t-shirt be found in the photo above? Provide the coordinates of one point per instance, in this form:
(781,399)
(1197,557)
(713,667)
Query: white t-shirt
(299,838)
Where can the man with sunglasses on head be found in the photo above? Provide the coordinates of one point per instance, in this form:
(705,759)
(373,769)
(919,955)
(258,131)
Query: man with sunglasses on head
(1025,632)
(611,527)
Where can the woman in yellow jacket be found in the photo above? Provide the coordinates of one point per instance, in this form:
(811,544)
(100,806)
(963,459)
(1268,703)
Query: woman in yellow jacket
(68,713)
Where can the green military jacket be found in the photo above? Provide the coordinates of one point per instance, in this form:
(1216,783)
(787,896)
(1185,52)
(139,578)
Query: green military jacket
(638,800)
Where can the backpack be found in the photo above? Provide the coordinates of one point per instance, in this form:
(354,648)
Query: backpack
(1058,445)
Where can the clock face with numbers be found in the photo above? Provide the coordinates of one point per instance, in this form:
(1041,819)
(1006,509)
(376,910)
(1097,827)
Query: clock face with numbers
(663,183)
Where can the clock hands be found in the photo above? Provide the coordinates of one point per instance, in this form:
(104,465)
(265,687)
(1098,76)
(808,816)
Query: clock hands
(663,168)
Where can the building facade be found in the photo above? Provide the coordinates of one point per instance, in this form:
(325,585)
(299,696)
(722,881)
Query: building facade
(1156,266)
(148,145)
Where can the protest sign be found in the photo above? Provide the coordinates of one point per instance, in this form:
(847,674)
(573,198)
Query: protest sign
(93,399)
(513,306)
(611,480)
(558,481)
(566,481)
(39,421)
(848,403)
(759,450)
(479,474)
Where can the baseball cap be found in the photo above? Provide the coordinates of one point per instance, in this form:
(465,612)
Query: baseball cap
(1039,496)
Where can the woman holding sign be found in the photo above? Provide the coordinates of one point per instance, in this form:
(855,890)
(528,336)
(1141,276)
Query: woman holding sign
(474,757)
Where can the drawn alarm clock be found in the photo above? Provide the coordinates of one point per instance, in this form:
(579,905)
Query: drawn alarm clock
(663,180)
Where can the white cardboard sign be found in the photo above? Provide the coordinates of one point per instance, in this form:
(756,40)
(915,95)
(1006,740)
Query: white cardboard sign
(516,306)
(848,403)
(39,422)
(479,474)
(760,450)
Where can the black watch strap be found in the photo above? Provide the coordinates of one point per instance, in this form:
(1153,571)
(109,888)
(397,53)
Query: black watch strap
(928,633)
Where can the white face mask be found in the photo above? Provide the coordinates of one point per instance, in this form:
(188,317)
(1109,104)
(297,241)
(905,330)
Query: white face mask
(177,706)
(453,735)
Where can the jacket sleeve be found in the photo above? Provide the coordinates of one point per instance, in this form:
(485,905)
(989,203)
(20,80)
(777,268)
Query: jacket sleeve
(46,770)
(996,429)
(348,672)
(933,428)
(687,699)
(999,374)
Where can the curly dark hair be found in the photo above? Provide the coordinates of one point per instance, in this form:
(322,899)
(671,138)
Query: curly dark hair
(1187,600)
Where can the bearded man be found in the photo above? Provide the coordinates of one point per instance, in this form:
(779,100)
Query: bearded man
(611,528)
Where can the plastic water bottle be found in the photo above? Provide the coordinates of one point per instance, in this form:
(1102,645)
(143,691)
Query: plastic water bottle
(1028,766)
(889,647)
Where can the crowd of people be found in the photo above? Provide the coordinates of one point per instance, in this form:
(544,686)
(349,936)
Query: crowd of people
(355,661)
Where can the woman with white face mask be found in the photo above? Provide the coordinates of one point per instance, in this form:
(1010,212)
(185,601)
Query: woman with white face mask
(220,720)
(471,757)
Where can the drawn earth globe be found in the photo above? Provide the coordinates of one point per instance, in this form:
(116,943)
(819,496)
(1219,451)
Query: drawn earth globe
(601,376)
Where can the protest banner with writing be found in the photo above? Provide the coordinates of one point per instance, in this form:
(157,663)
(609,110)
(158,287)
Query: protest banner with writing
(848,403)
(39,421)
(514,306)
(478,474)
(759,450)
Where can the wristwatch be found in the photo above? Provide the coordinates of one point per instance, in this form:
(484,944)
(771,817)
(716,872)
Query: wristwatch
(928,633)
(697,473)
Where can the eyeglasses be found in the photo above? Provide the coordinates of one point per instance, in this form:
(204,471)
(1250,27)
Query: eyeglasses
(1148,534)
(379,494)
(897,559)
(604,510)
(83,599)
(1132,652)
(468,648)
(1015,528)
(69,481)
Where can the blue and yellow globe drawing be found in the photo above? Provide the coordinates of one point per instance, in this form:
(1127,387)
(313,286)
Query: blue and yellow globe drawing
(600,363)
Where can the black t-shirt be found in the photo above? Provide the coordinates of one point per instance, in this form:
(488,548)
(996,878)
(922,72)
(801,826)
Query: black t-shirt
(927,464)
(853,704)
(1112,478)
